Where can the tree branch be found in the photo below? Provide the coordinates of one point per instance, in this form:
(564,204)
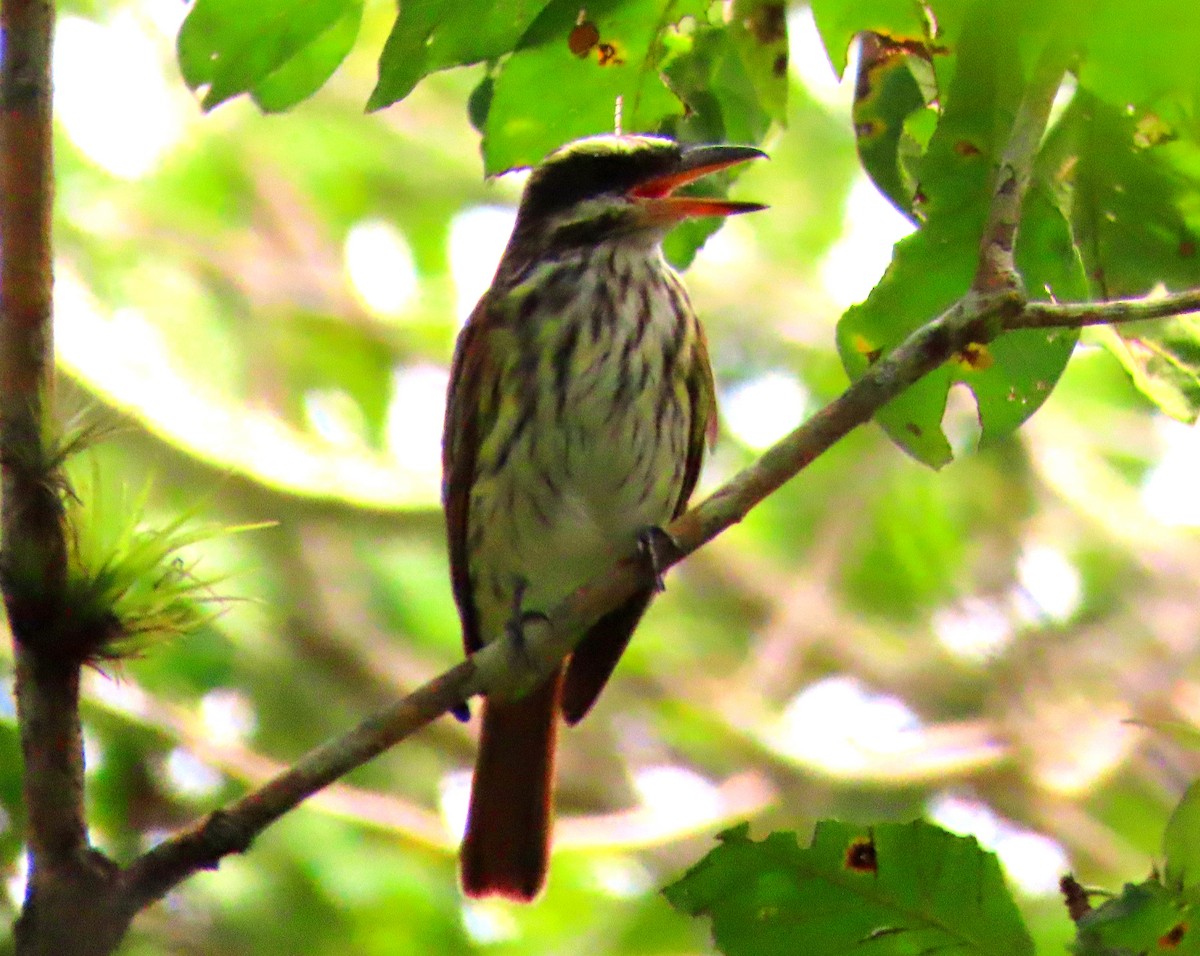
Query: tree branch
(993,306)
(68,903)
(1076,315)
(997,271)
(232,829)
(500,668)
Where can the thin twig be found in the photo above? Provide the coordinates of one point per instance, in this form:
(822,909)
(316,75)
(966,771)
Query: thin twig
(1045,315)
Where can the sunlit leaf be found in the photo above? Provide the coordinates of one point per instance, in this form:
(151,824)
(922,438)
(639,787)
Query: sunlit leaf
(1130,180)
(1130,185)
(709,71)
(430,35)
(1163,359)
(1142,55)
(840,22)
(547,94)
(307,71)
(291,46)
(931,269)
(758,29)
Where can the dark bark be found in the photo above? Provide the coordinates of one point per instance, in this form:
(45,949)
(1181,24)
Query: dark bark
(71,906)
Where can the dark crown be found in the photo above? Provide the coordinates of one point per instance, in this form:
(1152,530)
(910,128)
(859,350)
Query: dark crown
(593,167)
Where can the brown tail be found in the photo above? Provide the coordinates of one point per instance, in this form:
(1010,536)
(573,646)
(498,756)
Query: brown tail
(507,844)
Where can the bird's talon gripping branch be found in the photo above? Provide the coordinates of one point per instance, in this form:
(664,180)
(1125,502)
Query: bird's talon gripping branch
(648,540)
(462,712)
(515,625)
(518,620)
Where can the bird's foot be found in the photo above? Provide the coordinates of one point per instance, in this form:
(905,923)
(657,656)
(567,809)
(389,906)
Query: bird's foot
(518,619)
(650,539)
(462,712)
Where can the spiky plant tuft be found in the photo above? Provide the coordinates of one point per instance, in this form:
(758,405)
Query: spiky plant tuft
(130,584)
(127,584)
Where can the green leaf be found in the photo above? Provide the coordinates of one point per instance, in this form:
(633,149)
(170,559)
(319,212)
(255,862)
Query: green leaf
(930,270)
(306,72)
(886,94)
(1131,183)
(1163,359)
(432,35)
(1145,918)
(710,73)
(1012,376)
(233,47)
(546,95)
(758,30)
(1181,842)
(839,23)
(892,889)
(1141,54)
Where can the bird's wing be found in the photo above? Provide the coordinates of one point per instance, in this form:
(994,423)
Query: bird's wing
(702,392)
(471,408)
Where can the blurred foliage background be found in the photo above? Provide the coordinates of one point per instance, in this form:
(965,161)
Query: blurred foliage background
(265,308)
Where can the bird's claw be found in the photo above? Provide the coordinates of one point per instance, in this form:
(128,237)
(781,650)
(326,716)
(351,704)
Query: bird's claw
(518,618)
(462,712)
(648,540)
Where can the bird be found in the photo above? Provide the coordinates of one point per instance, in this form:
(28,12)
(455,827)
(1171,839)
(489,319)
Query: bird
(581,401)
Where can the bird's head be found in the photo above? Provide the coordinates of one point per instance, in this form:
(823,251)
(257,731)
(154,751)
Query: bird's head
(609,187)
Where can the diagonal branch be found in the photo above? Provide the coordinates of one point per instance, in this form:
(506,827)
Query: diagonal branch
(992,307)
(232,829)
(499,669)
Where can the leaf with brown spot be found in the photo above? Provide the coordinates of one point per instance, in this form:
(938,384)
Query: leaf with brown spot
(583,38)
(1143,918)
(917,889)
(1173,937)
(933,268)
(758,31)
(886,93)
(861,856)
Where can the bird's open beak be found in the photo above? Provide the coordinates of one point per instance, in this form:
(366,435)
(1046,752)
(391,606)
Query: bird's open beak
(655,195)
